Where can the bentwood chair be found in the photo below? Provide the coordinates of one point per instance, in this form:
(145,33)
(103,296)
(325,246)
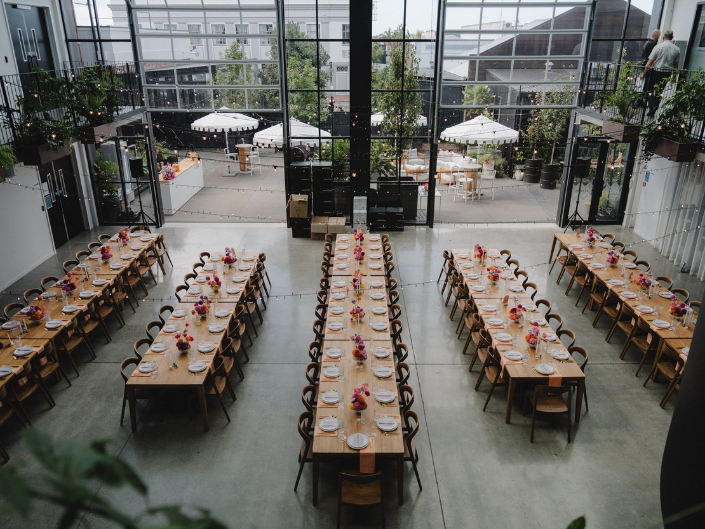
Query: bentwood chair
(103,238)
(521,275)
(32,294)
(569,334)
(403,373)
(7,410)
(218,381)
(308,397)
(513,265)
(313,370)
(13,308)
(315,351)
(231,348)
(531,289)
(682,294)
(154,327)
(445,268)
(393,298)
(94,246)
(48,281)
(506,255)
(644,266)
(82,254)
(46,363)
(180,289)
(188,278)
(139,343)
(665,282)
(492,369)
(619,246)
(608,237)
(555,320)
(162,250)
(140,227)
(630,255)
(262,257)
(141,393)
(69,265)
(402,352)
(411,420)
(561,256)
(541,304)
(674,375)
(548,399)
(164,313)
(24,385)
(395,330)
(306,452)
(203,257)
(355,488)
(581,360)
(241,328)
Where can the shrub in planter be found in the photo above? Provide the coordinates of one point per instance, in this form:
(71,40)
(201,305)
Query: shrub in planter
(621,102)
(7,161)
(93,94)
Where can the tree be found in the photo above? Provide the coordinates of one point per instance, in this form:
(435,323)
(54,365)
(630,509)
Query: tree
(476,95)
(305,106)
(233,74)
(547,126)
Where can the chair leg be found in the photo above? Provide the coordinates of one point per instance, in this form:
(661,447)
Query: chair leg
(6,456)
(122,413)
(222,404)
(416,471)
(467,344)
(229,385)
(643,359)
(45,391)
(533,422)
(298,477)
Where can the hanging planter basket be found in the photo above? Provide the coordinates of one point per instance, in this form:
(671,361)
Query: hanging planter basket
(40,154)
(620,131)
(97,134)
(675,151)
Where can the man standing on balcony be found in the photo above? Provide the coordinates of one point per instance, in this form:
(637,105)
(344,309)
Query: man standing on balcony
(663,59)
(649,46)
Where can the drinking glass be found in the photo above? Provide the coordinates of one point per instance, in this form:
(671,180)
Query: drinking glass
(341,373)
(525,358)
(18,342)
(341,402)
(375,412)
(191,356)
(341,428)
(174,357)
(154,370)
(48,316)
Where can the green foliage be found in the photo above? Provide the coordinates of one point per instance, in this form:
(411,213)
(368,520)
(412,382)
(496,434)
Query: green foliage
(338,152)
(305,106)
(624,95)
(578,523)
(7,156)
(105,172)
(680,112)
(234,74)
(92,94)
(476,95)
(71,474)
(381,156)
(547,126)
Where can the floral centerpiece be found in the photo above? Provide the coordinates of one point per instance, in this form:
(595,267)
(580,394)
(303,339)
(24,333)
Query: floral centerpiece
(202,307)
(612,258)
(358,254)
(124,235)
(214,283)
(358,398)
(229,258)
(36,313)
(357,313)
(532,336)
(642,282)
(105,252)
(678,308)
(357,283)
(493,274)
(480,253)
(183,340)
(67,285)
(359,233)
(359,353)
(516,313)
(590,239)
(168,172)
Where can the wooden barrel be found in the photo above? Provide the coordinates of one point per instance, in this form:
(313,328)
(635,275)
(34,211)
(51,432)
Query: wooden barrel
(549,175)
(532,171)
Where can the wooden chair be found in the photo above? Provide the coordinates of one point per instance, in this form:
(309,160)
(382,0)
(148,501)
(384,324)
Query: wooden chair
(69,265)
(681,294)
(162,249)
(313,370)
(562,248)
(330,237)
(521,275)
(13,308)
(445,268)
(644,266)
(608,237)
(395,312)
(513,265)
(360,489)
(529,285)
(403,373)
(141,393)
(82,255)
(557,318)
(388,257)
(235,333)
(315,351)
(455,280)
(541,304)
(645,341)
(411,419)
(675,373)
(548,399)
(103,238)
(630,255)
(451,269)
(506,255)
(7,410)
(144,267)
(570,334)
(94,246)
(395,330)
(119,294)
(139,343)
(582,355)
(69,340)
(695,305)
(239,315)
(308,397)
(388,269)
(203,257)
(24,385)
(164,313)
(406,398)
(619,246)
(249,303)
(483,342)
(188,278)
(32,294)
(599,293)
(393,298)
(140,227)
(306,452)
(322,297)
(665,282)
(93,320)
(324,284)
(624,319)
(177,290)
(569,265)
(154,324)
(492,369)
(218,381)
(134,277)
(48,281)
(402,352)
(46,363)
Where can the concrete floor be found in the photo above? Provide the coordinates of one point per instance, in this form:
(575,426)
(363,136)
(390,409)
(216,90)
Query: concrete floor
(476,470)
(229,197)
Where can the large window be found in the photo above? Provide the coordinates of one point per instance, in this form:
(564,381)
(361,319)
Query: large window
(621,28)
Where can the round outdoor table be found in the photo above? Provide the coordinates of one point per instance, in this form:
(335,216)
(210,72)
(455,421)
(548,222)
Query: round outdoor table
(243,151)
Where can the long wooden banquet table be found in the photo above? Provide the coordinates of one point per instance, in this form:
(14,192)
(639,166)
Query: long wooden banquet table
(578,249)
(389,445)
(178,377)
(494,294)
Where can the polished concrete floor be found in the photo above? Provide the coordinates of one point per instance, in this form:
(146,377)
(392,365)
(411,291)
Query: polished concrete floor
(476,470)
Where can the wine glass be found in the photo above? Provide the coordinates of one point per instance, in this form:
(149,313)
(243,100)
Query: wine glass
(341,429)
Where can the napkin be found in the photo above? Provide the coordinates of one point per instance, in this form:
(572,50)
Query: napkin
(138,373)
(367,458)
(331,331)
(505,362)
(555,379)
(487,313)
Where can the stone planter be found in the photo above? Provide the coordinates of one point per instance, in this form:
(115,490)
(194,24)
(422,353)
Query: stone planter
(519,174)
(549,175)
(676,152)
(532,171)
(620,131)
(97,134)
(40,155)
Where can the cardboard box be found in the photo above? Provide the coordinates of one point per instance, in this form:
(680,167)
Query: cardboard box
(298,206)
(336,224)
(319,228)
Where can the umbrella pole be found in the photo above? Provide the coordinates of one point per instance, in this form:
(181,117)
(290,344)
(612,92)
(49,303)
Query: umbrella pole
(227,149)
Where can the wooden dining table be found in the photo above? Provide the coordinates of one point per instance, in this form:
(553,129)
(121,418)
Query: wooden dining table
(372,263)
(7,357)
(179,377)
(233,278)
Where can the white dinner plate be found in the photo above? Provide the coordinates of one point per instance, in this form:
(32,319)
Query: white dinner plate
(383,371)
(665,295)
(337,310)
(201,279)
(462,256)
(243,267)
(494,321)
(146,239)
(9,325)
(331,372)
(222,313)
(466,265)
(170,327)
(126,256)
(576,246)
(385,396)
(544,369)
(376,284)
(341,266)
(379,326)
(146,368)
(69,309)
(335,325)
(685,350)
(338,295)
(328,424)
(178,313)
(627,295)
(86,294)
(194,290)
(197,367)
(597,266)
(48,294)
(341,256)
(507,276)
(248,258)
(94,255)
(53,324)
(606,246)
(375,266)
(136,247)
(216,328)
(25,310)
(516,288)
(99,282)
(344,238)
(374,237)
(387,424)
(503,337)
(550,337)
(616,282)
(239,279)
(232,290)
(330,397)
(22,351)
(376,256)
(478,288)
(645,309)
(5,370)
(586,255)
(206,347)
(116,266)
(660,324)
(339,284)
(335,352)
(358,441)
(560,355)
(629,265)
(529,307)
(341,246)
(209,266)
(158,347)
(377,295)
(214,258)
(472,277)
(374,247)
(379,310)
(84,265)
(513,355)
(381,352)
(538,321)
(489,308)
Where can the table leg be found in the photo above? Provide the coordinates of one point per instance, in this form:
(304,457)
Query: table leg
(510,399)
(316,462)
(204,409)
(133,412)
(400,478)
(553,246)
(579,399)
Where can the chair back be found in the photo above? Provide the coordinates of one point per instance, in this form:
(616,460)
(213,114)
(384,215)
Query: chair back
(665,281)
(550,391)
(506,255)
(103,238)
(322,297)
(396,329)
(163,310)
(403,373)
(392,284)
(360,489)
(695,305)
(324,283)
(94,246)
(203,256)
(513,263)
(48,281)
(155,324)
(521,275)
(124,364)
(618,245)
(308,396)
(312,372)
(630,255)
(388,269)
(608,237)
(139,343)
(571,336)
(180,288)
(324,269)
(681,294)
(395,312)
(528,285)
(314,351)
(559,321)
(318,330)
(581,352)
(411,419)
(643,265)
(31,294)
(406,397)
(393,297)
(321,311)
(81,254)
(305,424)
(69,265)
(140,227)
(543,303)
(402,351)
(13,308)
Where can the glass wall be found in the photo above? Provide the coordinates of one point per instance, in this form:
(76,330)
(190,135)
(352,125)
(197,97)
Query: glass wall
(621,29)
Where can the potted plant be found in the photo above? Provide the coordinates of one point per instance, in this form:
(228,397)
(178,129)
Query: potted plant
(500,165)
(93,92)
(487,161)
(669,134)
(39,137)
(621,102)
(7,161)
(519,166)
(381,159)
(104,174)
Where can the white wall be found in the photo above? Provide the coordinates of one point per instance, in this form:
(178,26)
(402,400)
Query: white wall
(25,237)
(651,195)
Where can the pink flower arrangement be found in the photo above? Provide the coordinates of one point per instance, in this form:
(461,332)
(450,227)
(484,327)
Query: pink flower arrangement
(532,336)
(359,233)
(168,172)
(358,398)
(214,283)
(357,282)
(202,306)
(124,235)
(359,353)
(612,257)
(356,313)
(67,284)
(183,340)
(516,312)
(36,313)
(358,253)
(678,308)
(642,282)
(229,257)
(105,252)
(493,273)
(480,253)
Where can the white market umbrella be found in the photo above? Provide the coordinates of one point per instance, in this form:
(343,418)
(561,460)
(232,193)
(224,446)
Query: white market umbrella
(274,136)
(479,130)
(378,118)
(225,122)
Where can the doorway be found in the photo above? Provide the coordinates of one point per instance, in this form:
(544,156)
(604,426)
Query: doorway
(598,194)
(63,205)
(30,37)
